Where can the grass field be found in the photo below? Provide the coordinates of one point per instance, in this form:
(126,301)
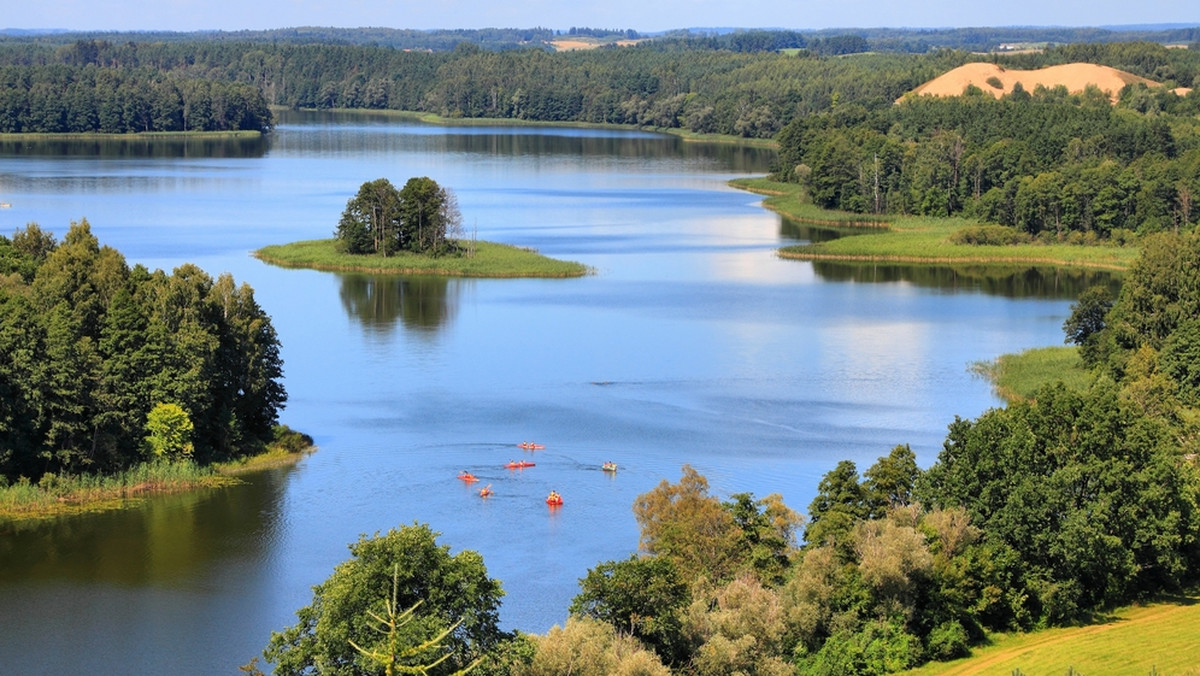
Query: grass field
(924,240)
(489,260)
(1161,638)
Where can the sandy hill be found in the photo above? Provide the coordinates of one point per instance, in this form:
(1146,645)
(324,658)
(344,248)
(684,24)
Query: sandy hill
(1075,76)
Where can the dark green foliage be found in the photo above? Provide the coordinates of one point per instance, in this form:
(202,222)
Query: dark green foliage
(88,347)
(422,215)
(889,482)
(371,220)
(947,641)
(1088,318)
(1180,359)
(383,220)
(1088,502)
(1049,165)
(841,501)
(89,98)
(643,597)
(408,560)
(879,647)
(768,534)
(1159,292)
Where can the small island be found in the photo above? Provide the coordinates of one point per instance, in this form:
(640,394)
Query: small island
(416,230)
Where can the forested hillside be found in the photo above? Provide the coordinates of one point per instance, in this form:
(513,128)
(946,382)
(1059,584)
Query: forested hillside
(727,85)
(1052,164)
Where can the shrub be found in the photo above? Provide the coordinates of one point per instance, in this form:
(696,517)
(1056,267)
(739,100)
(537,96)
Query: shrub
(947,641)
(988,235)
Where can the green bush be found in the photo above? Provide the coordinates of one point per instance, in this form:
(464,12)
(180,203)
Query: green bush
(989,235)
(947,641)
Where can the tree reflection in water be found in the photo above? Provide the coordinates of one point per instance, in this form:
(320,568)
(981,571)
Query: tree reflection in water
(420,303)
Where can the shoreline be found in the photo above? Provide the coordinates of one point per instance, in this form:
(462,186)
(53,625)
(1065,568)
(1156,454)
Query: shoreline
(433,118)
(25,503)
(490,261)
(918,240)
(141,135)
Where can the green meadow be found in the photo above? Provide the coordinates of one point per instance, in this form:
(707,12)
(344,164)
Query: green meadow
(489,259)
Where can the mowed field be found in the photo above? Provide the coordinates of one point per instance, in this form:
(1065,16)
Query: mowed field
(1160,638)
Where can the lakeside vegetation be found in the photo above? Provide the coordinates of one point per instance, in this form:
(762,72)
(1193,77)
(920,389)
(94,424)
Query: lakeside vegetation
(916,239)
(1019,376)
(488,260)
(56,495)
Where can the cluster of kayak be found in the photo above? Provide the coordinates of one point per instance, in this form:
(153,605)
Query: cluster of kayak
(554,499)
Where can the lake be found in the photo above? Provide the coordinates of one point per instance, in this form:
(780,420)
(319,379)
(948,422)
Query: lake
(691,344)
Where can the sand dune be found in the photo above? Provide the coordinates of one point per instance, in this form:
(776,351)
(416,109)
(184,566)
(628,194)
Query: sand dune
(1075,76)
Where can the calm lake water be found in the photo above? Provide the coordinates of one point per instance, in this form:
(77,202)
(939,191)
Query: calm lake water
(692,343)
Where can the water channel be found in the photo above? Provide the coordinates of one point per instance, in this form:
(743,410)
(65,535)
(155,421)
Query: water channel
(691,343)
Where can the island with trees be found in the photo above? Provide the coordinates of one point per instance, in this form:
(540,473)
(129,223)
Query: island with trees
(414,230)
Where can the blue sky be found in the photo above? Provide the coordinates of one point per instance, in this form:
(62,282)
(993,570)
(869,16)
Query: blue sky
(186,15)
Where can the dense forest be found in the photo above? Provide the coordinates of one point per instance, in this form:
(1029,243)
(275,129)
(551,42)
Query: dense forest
(94,354)
(1047,163)
(730,84)
(87,98)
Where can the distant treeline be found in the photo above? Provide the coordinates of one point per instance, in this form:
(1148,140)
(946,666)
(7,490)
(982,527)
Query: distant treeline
(664,84)
(89,98)
(396,38)
(911,40)
(628,33)
(89,347)
(735,83)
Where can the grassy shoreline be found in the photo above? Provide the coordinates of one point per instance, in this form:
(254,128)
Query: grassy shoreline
(56,496)
(1018,377)
(491,260)
(921,240)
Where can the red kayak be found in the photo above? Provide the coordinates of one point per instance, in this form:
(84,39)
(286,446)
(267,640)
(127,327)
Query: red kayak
(468,477)
(530,446)
(485,491)
(519,464)
(554,500)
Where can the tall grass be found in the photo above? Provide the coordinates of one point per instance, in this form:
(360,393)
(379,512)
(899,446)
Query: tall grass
(60,495)
(1019,376)
(489,260)
(56,495)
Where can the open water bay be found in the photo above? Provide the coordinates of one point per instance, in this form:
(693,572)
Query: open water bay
(691,343)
